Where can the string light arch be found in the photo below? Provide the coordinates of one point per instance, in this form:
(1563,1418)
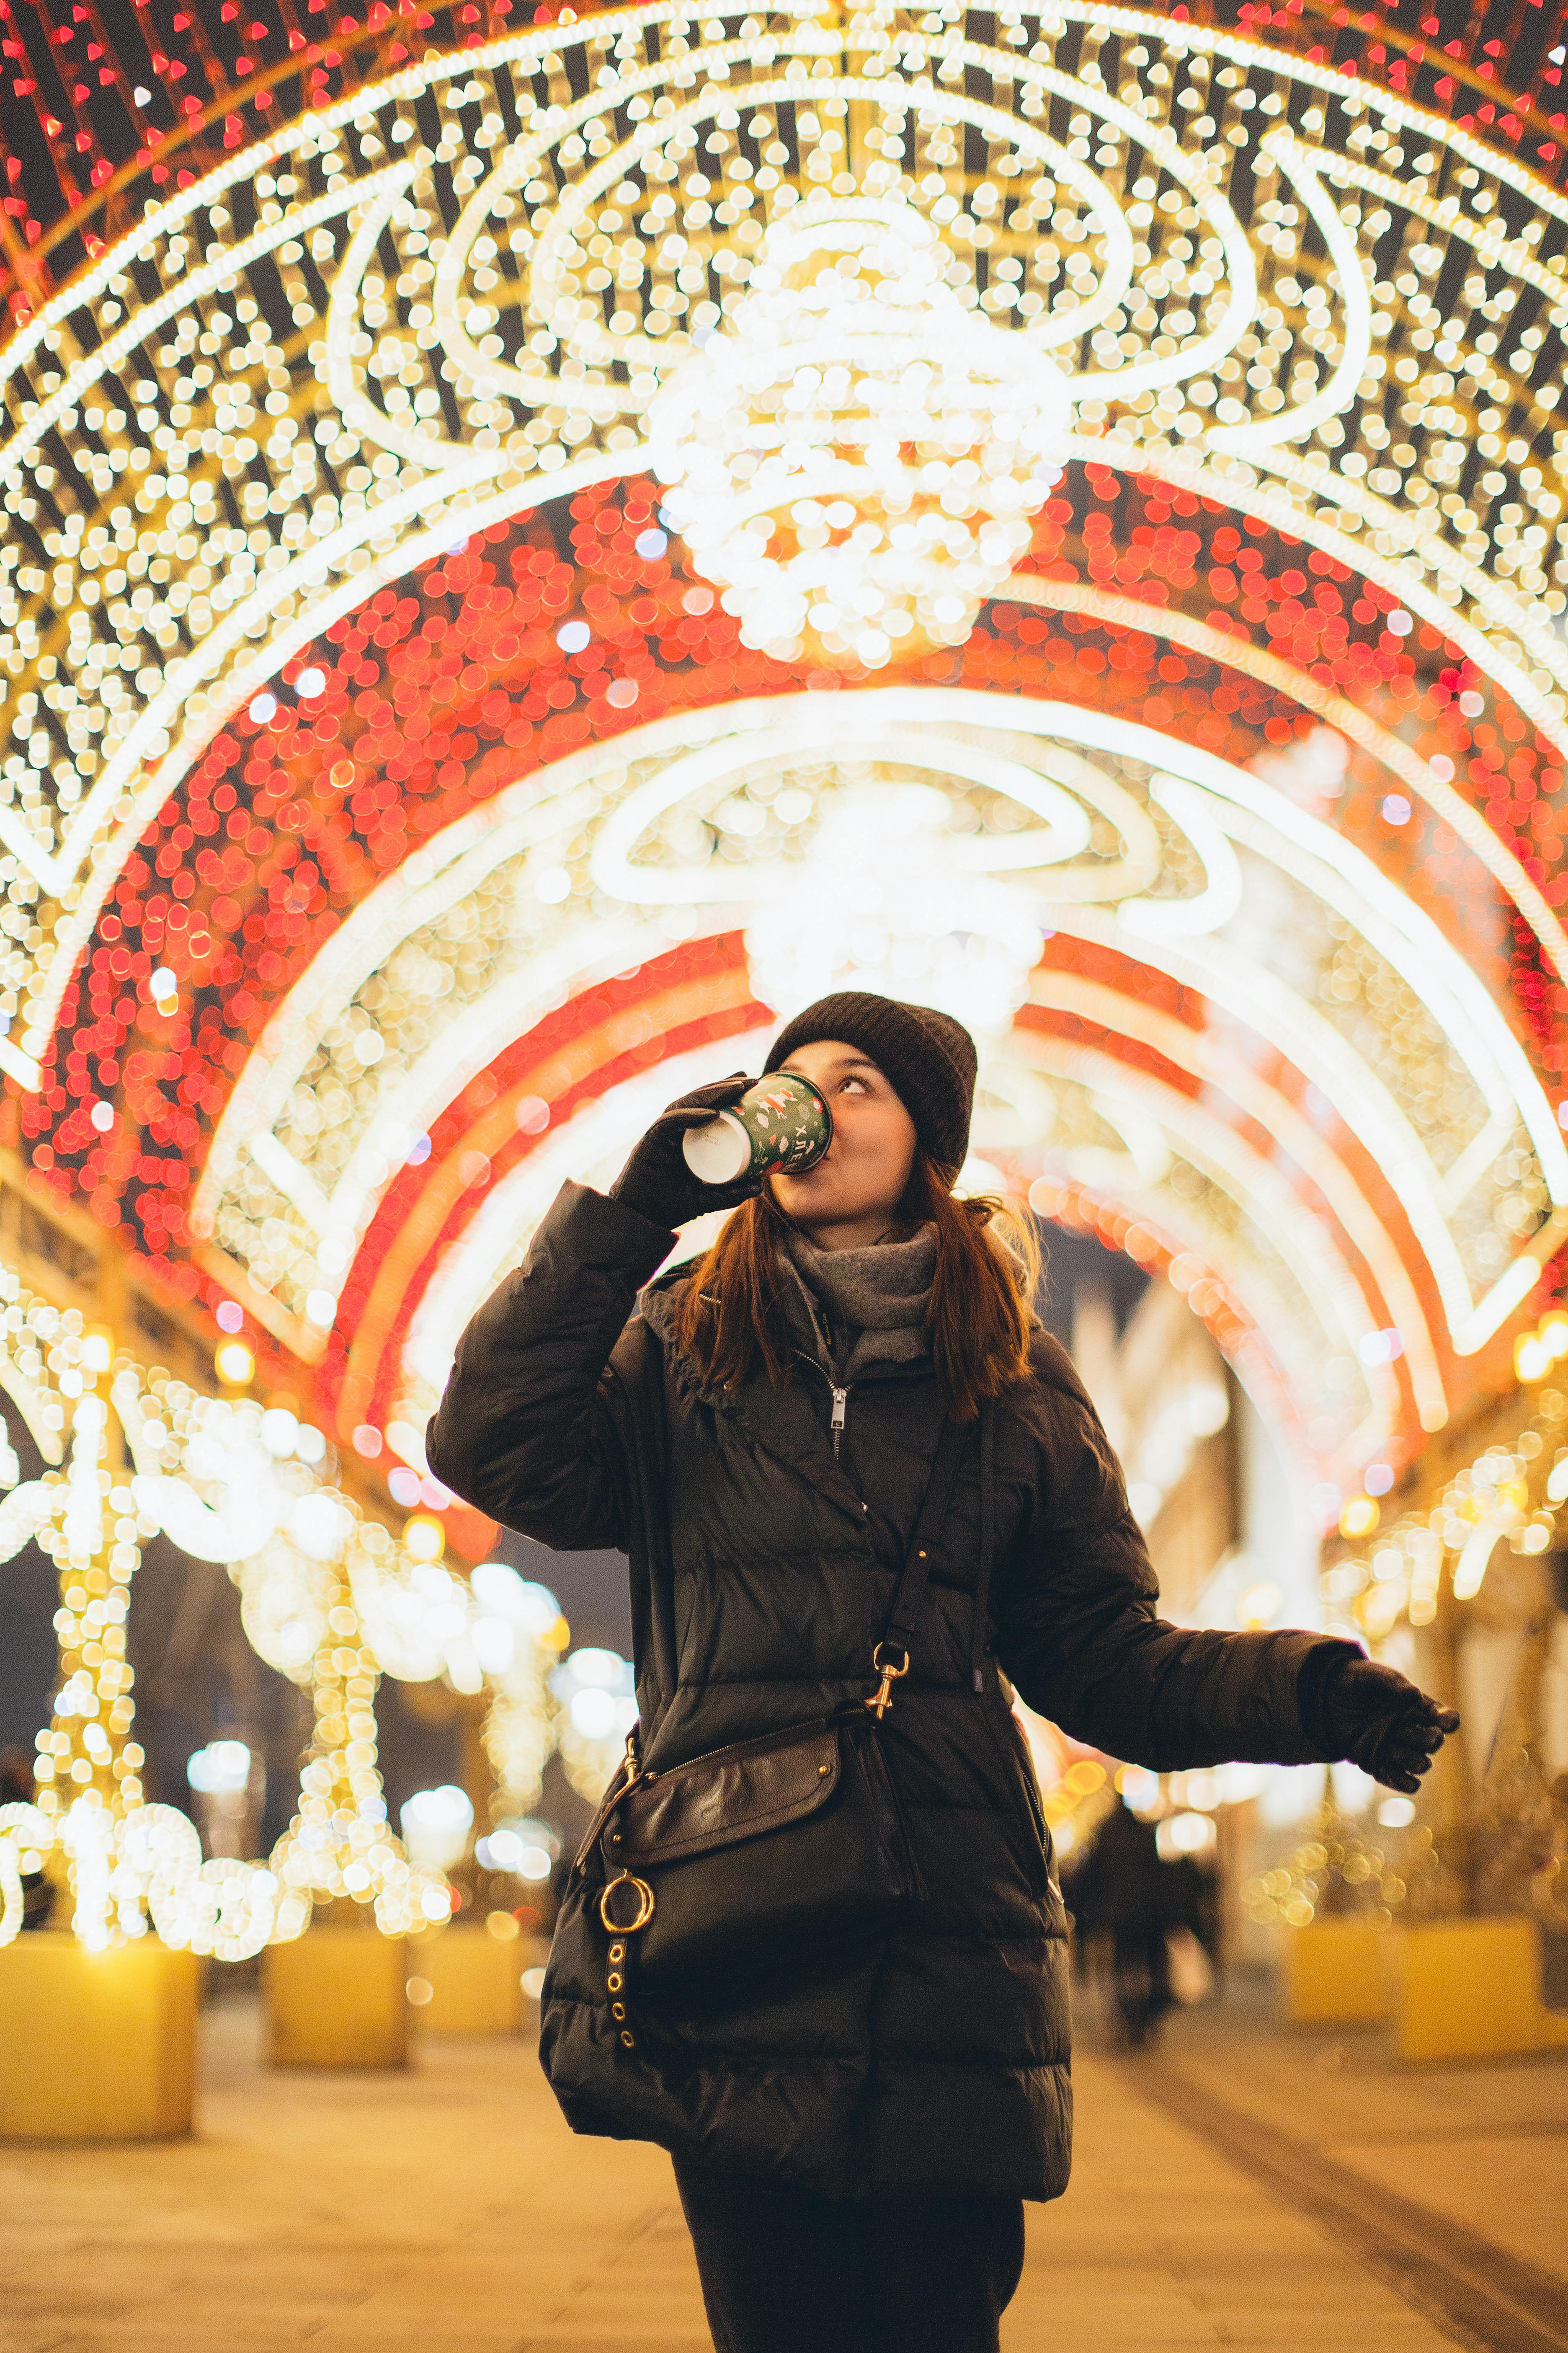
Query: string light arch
(318,470)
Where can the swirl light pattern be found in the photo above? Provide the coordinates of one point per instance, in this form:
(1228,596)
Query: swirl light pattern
(339,558)
(1131,854)
(1263,281)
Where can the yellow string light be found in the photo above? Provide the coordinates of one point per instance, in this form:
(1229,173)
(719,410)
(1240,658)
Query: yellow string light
(596,249)
(233,1483)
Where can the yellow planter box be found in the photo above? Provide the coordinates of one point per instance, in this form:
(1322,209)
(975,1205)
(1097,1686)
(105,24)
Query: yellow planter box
(1339,1973)
(336,1998)
(96,2046)
(1471,1989)
(466,1981)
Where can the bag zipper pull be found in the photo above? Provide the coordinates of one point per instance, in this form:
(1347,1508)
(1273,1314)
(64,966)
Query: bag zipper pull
(835,1419)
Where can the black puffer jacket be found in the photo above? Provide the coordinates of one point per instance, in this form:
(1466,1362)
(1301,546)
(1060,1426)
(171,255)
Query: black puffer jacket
(939,2060)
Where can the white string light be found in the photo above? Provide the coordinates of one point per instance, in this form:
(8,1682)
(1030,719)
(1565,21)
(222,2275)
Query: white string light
(1063,808)
(319,1584)
(1144,247)
(688,235)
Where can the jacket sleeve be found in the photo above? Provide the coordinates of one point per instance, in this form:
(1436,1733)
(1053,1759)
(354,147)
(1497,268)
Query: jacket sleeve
(532,1429)
(1078,1635)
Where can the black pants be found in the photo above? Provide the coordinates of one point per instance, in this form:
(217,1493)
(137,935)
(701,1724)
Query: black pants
(786,2271)
(1143,1966)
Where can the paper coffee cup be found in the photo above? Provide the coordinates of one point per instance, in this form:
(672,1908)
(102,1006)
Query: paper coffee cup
(782,1122)
(719,1153)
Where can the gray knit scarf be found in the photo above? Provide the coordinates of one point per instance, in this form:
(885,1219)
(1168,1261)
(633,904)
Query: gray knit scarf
(861,1307)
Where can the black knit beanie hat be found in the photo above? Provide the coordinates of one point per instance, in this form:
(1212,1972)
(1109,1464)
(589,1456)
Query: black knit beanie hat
(928,1057)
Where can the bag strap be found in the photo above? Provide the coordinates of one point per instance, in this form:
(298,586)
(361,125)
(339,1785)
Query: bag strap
(637,1362)
(619,1785)
(981,1624)
(911,1586)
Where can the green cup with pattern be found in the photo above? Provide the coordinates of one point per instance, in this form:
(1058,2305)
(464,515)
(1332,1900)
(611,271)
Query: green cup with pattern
(781,1126)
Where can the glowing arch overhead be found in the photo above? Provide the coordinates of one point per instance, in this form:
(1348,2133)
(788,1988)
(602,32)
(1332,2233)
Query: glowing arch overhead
(1239,257)
(1189,1007)
(324,457)
(286,754)
(133,126)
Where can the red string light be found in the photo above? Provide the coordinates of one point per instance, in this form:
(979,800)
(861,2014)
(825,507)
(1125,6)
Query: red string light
(450,685)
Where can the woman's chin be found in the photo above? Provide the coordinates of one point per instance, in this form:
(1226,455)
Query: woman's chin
(806,1199)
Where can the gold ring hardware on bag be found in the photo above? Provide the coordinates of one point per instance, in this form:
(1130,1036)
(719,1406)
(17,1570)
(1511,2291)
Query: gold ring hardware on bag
(878,1702)
(645,1901)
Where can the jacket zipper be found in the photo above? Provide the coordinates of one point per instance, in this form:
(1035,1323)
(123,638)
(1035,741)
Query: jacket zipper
(840,1399)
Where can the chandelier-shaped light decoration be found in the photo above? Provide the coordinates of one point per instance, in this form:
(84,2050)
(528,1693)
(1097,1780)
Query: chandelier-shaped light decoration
(854,458)
(884,900)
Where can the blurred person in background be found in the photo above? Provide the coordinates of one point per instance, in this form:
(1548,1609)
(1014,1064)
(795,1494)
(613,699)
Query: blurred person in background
(1124,1892)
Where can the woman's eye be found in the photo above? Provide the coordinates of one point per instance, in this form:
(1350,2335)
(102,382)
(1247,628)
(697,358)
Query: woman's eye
(858,1084)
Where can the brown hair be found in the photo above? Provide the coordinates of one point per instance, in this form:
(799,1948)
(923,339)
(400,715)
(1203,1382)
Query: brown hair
(731,1319)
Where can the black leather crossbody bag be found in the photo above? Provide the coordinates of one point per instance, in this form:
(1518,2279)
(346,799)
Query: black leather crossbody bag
(780,1846)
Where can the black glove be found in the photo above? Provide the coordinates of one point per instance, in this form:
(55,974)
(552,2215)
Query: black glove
(656,1181)
(1378,1720)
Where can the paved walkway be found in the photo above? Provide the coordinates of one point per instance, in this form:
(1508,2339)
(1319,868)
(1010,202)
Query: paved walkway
(1242,2189)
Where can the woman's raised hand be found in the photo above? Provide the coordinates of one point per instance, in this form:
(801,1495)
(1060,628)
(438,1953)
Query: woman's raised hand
(656,1181)
(1383,1723)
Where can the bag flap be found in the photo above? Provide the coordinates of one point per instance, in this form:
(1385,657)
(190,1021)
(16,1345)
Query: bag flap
(733,1794)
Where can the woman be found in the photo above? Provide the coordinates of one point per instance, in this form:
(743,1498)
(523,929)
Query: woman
(853,2136)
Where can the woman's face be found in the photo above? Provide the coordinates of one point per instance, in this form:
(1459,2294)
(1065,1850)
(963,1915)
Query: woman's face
(860,1179)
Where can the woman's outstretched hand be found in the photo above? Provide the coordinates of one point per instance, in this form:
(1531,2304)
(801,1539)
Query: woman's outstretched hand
(656,1181)
(1382,1723)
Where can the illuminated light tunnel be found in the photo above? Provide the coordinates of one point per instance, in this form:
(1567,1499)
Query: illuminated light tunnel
(350,627)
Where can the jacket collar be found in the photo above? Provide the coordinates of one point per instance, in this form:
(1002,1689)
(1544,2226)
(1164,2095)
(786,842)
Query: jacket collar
(783,1421)
(861,1327)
